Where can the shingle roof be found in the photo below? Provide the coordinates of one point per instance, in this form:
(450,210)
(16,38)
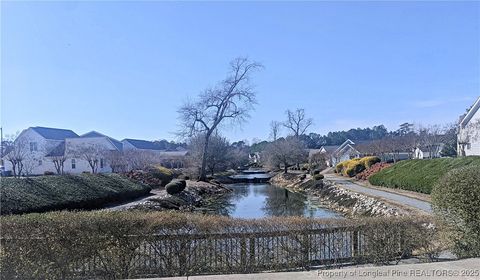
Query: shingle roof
(330,149)
(143,144)
(94,134)
(54,133)
(58,150)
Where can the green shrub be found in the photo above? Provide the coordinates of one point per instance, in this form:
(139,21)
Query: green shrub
(419,175)
(339,167)
(318,177)
(84,191)
(456,200)
(164,174)
(353,167)
(175,186)
(48,173)
(369,161)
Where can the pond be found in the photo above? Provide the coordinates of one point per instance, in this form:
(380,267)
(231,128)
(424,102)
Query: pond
(258,200)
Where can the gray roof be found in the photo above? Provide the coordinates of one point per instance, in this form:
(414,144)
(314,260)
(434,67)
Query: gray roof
(54,133)
(94,134)
(58,150)
(143,144)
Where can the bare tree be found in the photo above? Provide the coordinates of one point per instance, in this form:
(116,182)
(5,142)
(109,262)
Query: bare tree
(29,164)
(91,152)
(430,138)
(59,162)
(116,160)
(285,152)
(139,160)
(232,99)
(16,155)
(297,122)
(219,154)
(275,128)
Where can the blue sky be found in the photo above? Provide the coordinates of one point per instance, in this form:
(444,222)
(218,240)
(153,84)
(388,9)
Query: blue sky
(124,68)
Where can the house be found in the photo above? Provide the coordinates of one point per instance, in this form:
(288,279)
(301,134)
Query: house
(44,149)
(468,136)
(33,144)
(432,151)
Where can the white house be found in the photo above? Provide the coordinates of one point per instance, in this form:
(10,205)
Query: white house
(33,144)
(468,137)
(424,152)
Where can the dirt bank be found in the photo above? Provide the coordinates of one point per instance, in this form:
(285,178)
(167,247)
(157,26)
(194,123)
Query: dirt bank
(334,197)
(196,196)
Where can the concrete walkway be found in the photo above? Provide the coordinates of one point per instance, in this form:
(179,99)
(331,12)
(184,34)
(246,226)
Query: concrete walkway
(461,269)
(396,198)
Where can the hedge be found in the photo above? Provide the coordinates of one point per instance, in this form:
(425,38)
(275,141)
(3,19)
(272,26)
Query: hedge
(83,191)
(355,166)
(419,175)
(129,244)
(456,200)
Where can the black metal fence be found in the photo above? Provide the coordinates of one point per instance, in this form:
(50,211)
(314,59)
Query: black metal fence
(172,255)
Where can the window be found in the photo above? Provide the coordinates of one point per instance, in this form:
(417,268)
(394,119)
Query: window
(33,146)
(102,163)
(73,164)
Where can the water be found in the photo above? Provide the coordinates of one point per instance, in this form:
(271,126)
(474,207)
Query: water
(250,200)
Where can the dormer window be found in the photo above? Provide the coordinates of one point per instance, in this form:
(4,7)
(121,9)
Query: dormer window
(33,147)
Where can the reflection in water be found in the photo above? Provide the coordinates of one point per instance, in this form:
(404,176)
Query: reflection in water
(261,200)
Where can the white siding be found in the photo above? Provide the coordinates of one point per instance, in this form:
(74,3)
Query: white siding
(472,129)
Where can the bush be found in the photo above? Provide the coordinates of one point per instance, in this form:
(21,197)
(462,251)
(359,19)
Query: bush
(420,175)
(364,175)
(339,167)
(456,200)
(316,171)
(318,177)
(369,161)
(131,244)
(162,173)
(85,191)
(48,173)
(175,186)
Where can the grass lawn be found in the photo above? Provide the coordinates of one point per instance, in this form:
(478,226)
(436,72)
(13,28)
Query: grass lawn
(419,174)
(85,191)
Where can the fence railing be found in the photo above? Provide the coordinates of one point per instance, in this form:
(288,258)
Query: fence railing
(193,254)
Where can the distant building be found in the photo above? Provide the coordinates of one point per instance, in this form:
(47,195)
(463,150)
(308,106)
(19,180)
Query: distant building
(468,137)
(424,152)
(40,146)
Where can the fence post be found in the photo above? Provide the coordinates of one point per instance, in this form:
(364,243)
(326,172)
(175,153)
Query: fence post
(355,245)
(243,253)
(251,242)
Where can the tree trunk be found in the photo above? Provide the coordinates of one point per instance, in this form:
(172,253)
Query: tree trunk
(286,169)
(203,170)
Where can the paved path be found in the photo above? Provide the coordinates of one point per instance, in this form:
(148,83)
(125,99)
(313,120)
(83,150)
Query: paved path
(397,198)
(462,269)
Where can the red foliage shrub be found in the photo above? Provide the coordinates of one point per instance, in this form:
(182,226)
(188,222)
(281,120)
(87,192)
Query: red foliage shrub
(372,170)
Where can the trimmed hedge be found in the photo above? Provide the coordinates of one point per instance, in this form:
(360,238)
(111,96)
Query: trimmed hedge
(456,200)
(84,191)
(419,175)
(131,244)
(318,177)
(176,186)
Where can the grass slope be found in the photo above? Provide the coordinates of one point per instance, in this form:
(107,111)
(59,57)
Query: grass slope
(85,191)
(419,174)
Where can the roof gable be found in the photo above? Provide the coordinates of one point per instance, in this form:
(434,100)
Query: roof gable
(471,113)
(54,133)
(93,134)
(59,150)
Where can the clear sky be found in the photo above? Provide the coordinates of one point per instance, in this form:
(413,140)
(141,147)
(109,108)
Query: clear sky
(124,68)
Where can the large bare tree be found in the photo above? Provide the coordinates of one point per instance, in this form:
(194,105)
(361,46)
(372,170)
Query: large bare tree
(297,122)
(275,128)
(285,152)
(91,153)
(230,100)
